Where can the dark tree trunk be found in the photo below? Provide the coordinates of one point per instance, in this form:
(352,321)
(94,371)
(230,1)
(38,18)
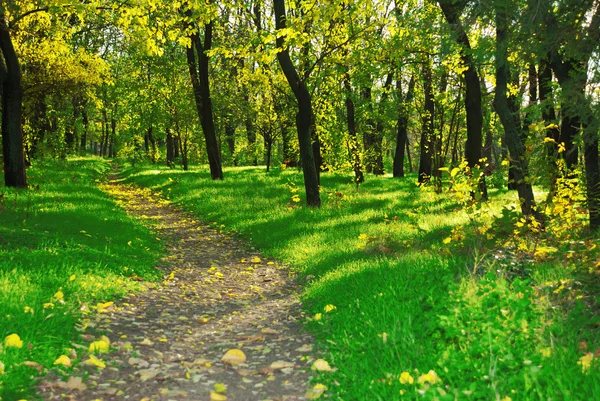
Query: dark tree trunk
(473,92)
(305,113)
(152,143)
(86,126)
(269,147)
(378,168)
(402,133)
(113,138)
(230,139)
(549,116)
(200,83)
(175,147)
(592,171)
(425,160)
(12,104)
(512,135)
(170,149)
(353,151)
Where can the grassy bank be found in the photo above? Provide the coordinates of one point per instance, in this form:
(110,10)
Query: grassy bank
(65,246)
(414,295)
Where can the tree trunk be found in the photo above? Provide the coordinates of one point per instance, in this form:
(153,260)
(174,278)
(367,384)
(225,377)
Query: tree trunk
(170,149)
(592,171)
(200,84)
(12,104)
(425,160)
(230,139)
(353,151)
(86,127)
(402,133)
(512,136)
(549,117)
(305,113)
(473,92)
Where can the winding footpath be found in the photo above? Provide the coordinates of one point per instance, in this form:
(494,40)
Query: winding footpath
(168,342)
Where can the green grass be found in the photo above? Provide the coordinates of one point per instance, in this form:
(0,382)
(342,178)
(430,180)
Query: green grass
(405,300)
(61,234)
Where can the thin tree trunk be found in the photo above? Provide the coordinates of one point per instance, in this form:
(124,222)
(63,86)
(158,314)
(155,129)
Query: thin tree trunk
(425,160)
(402,134)
(353,151)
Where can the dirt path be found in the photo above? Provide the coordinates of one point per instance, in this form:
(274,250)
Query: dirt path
(167,343)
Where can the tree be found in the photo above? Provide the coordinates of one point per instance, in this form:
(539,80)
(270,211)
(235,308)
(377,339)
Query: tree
(304,117)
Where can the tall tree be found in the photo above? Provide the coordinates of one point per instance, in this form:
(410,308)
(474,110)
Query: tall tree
(304,117)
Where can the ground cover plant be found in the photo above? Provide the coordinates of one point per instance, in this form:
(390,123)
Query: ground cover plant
(66,250)
(414,294)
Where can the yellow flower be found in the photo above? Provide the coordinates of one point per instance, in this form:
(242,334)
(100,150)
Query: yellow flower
(72,278)
(586,362)
(28,310)
(13,340)
(329,308)
(363,236)
(48,305)
(546,352)
(406,378)
(318,316)
(59,296)
(430,377)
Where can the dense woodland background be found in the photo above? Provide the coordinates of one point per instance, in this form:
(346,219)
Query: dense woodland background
(372,86)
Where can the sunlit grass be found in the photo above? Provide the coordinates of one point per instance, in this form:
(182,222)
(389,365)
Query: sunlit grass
(378,255)
(65,235)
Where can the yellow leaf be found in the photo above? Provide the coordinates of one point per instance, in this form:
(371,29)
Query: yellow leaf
(220,388)
(234,357)
(454,171)
(363,236)
(13,340)
(72,278)
(63,360)
(1,368)
(318,316)
(316,392)
(329,308)
(447,240)
(93,361)
(586,362)
(429,377)
(103,307)
(217,397)
(255,259)
(99,346)
(59,296)
(321,365)
(406,378)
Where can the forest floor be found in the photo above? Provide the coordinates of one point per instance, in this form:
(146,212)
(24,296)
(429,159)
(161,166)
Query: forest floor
(171,341)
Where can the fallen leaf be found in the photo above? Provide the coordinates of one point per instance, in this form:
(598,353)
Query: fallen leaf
(147,374)
(234,357)
(316,392)
(34,365)
(13,340)
(217,397)
(255,259)
(146,341)
(99,346)
(266,330)
(93,361)
(138,362)
(220,388)
(74,383)
(321,365)
(281,365)
(63,360)
(305,348)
